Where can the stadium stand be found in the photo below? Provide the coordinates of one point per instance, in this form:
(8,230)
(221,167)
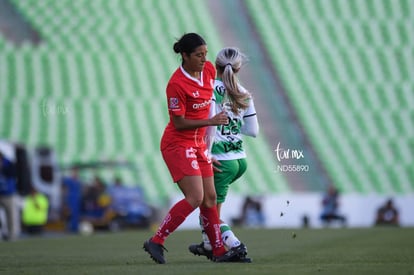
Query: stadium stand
(93,89)
(346,67)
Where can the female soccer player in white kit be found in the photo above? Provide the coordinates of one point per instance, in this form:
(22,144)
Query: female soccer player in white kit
(228,154)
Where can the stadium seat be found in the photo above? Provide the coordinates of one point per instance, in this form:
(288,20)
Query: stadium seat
(342,67)
(94,89)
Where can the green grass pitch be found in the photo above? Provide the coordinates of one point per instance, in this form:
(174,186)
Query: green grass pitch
(312,251)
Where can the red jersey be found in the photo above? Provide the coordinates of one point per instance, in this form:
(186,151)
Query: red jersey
(192,98)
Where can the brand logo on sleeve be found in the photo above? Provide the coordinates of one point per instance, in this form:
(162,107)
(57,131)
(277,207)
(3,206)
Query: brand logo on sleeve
(173,103)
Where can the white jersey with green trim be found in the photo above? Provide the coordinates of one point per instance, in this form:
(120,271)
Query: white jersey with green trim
(228,141)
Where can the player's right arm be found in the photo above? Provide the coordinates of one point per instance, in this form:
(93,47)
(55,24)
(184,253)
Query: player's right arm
(182,123)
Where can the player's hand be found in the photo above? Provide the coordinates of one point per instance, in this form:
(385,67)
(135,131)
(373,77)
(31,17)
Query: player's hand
(219,119)
(215,164)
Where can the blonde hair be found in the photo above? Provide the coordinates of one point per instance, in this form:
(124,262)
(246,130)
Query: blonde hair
(228,63)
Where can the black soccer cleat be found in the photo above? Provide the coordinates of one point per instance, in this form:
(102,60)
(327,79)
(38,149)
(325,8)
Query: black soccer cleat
(235,254)
(198,249)
(242,250)
(156,251)
(242,256)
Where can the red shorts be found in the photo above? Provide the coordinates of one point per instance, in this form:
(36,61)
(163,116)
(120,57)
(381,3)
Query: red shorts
(187,161)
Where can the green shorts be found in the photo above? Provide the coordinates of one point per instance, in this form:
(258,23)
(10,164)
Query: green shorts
(231,171)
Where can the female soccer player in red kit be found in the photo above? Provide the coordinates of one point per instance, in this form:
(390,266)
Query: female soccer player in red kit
(184,148)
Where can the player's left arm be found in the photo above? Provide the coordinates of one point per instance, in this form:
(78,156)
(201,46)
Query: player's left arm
(250,125)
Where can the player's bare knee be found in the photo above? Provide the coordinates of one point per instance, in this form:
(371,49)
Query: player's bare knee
(209,201)
(195,201)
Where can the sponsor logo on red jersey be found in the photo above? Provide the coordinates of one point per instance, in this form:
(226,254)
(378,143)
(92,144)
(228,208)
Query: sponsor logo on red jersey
(202,105)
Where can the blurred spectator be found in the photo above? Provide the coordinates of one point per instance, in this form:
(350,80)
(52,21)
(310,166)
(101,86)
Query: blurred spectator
(72,198)
(330,207)
(305,221)
(387,214)
(119,196)
(35,212)
(96,204)
(9,199)
(129,204)
(252,214)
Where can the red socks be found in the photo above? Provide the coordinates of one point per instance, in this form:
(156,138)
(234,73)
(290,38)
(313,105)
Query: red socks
(211,225)
(178,213)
